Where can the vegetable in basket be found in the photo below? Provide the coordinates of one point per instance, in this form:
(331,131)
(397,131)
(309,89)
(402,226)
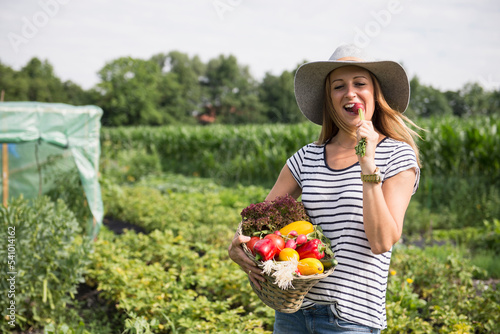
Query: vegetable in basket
(301,239)
(291,244)
(329,263)
(312,249)
(301,227)
(277,240)
(250,244)
(287,254)
(269,216)
(265,249)
(310,266)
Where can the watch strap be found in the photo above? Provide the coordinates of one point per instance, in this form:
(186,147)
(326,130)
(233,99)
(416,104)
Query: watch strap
(372,178)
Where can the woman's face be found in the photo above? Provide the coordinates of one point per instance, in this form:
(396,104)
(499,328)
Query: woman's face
(352,84)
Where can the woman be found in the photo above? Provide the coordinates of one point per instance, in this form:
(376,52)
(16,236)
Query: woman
(359,201)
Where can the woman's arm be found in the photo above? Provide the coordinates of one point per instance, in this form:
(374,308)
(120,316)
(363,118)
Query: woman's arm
(384,209)
(286,184)
(384,206)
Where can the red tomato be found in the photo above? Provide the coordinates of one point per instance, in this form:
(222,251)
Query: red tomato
(251,243)
(279,242)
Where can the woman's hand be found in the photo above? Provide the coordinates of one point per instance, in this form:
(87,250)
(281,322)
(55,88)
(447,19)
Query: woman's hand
(237,254)
(366,130)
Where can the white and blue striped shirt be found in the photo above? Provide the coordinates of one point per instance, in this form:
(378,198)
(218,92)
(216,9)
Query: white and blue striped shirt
(334,200)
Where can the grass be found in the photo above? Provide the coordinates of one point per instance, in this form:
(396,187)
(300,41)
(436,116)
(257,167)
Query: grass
(487,260)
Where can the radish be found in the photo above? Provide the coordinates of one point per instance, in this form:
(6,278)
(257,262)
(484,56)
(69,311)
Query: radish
(291,244)
(301,239)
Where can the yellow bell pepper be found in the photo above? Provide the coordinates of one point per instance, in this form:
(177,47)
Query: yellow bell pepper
(301,226)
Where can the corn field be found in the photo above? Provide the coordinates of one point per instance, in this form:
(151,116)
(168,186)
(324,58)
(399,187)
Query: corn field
(256,153)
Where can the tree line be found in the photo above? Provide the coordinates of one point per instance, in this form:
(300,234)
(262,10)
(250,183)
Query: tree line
(174,88)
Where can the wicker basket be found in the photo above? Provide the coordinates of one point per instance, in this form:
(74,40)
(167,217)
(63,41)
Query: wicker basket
(289,300)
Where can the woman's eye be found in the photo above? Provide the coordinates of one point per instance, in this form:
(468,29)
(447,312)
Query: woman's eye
(360,84)
(338,87)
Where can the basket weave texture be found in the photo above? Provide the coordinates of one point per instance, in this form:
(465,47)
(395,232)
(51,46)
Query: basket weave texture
(289,300)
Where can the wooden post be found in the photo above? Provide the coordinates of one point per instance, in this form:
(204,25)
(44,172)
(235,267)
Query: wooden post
(5,173)
(5,166)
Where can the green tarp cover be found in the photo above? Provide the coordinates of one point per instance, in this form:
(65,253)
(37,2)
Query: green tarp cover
(46,140)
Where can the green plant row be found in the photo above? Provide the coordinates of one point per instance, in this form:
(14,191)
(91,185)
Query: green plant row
(461,147)
(256,153)
(210,216)
(241,154)
(483,238)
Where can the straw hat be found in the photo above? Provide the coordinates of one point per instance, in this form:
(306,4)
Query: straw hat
(310,80)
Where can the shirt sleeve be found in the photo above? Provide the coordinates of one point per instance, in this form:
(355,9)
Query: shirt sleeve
(295,163)
(403,158)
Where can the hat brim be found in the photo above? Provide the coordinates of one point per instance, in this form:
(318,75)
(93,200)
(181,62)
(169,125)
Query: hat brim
(310,84)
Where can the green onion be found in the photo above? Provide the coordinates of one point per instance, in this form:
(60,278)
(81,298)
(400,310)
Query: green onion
(360,148)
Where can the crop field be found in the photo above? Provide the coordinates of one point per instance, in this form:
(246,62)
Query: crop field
(179,191)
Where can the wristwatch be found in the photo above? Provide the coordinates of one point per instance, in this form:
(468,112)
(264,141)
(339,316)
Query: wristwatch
(373,178)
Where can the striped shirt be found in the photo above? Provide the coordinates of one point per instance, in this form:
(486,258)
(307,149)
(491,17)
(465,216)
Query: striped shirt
(334,200)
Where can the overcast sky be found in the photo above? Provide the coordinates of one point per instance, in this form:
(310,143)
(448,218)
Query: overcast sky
(445,43)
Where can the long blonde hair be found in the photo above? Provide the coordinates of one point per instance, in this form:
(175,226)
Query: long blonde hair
(389,122)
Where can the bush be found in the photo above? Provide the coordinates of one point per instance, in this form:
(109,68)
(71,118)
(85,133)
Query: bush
(67,186)
(50,259)
(173,285)
(432,290)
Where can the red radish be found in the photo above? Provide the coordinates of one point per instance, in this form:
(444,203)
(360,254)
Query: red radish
(301,239)
(291,244)
(277,233)
(358,106)
(293,233)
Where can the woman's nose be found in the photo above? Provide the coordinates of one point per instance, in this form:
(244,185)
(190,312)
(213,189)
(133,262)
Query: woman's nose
(350,93)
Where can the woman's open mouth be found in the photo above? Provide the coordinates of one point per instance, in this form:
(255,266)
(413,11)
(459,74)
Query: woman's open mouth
(349,108)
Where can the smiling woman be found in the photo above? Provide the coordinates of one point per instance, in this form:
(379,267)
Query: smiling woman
(362,215)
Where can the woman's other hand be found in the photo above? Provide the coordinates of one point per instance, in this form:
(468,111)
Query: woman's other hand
(237,254)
